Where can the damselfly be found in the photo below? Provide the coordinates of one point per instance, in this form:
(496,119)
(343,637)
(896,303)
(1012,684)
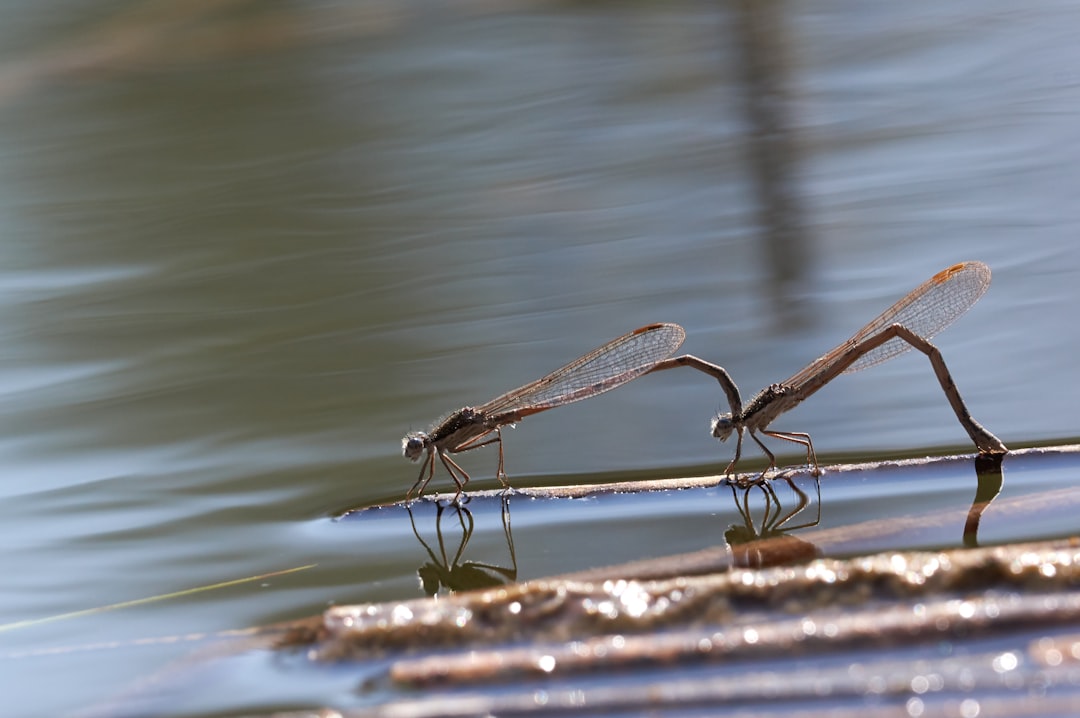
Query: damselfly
(925,311)
(602,369)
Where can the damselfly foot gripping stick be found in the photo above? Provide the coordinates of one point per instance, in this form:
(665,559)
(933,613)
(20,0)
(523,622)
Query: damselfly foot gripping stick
(910,323)
(602,369)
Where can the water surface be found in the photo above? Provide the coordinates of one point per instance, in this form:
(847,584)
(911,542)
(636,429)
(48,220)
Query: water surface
(246,247)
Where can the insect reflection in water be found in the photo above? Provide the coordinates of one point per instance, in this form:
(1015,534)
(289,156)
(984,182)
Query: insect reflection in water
(440,571)
(770,544)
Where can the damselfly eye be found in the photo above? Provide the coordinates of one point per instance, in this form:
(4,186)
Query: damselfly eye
(412,446)
(722,427)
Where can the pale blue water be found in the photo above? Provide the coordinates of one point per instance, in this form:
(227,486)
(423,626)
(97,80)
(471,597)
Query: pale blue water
(243,252)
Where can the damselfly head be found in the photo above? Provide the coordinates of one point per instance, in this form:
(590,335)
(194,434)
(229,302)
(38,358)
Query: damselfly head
(722,427)
(412,446)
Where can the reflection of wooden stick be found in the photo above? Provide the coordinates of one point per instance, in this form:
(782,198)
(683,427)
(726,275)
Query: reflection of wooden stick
(926,310)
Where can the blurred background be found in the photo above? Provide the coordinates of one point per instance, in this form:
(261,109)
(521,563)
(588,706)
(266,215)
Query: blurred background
(246,246)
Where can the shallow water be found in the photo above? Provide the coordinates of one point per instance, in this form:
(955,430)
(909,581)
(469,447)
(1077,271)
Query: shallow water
(246,247)
(495,539)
